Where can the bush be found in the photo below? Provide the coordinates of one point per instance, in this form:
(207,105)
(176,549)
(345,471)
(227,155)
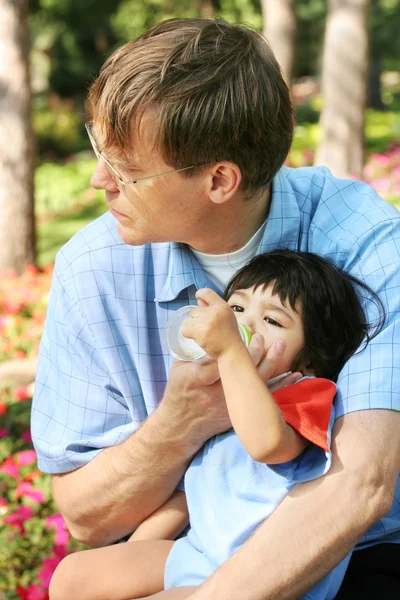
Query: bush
(60,187)
(58,128)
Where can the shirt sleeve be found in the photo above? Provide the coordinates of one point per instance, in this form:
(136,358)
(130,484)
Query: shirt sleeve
(371,378)
(76,409)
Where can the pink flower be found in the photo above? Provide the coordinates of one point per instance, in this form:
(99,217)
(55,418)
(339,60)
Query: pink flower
(4,433)
(8,274)
(10,467)
(382,186)
(18,518)
(61,537)
(26,457)
(25,488)
(26,436)
(21,393)
(50,564)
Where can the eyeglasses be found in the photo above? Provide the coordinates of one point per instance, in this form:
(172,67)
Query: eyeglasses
(112,170)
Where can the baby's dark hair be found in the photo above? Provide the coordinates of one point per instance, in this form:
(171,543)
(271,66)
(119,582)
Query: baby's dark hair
(334,321)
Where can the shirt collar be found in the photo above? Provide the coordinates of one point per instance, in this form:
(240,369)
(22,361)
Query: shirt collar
(282,231)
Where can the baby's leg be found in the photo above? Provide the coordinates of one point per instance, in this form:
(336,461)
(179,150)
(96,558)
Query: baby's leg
(120,572)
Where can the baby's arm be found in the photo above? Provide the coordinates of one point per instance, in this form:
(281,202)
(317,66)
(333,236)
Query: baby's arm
(255,416)
(167,522)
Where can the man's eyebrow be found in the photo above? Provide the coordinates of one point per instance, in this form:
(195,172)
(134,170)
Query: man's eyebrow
(121,159)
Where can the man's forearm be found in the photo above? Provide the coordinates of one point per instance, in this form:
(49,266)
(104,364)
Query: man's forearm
(314,528)
(107,498)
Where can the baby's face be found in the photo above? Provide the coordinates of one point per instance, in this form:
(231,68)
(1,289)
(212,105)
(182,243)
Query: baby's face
(262,312)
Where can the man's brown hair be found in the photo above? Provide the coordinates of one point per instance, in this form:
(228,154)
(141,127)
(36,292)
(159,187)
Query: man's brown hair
(216,92)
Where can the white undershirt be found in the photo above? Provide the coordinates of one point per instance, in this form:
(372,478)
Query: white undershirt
(221,267)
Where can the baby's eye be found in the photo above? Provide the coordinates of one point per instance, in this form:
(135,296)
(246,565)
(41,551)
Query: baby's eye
(237,308)
(272,321)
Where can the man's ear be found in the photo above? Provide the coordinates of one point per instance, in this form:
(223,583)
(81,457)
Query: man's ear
(226,178)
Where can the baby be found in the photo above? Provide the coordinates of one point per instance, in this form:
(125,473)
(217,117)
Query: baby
(306,305)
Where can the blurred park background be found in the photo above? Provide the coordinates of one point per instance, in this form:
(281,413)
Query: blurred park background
(341,60)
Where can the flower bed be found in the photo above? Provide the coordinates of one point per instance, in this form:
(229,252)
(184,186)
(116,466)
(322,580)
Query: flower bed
(33,536)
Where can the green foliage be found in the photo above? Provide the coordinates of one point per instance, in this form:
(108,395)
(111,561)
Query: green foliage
(55,232)
(79,39)
(62,186)
(57,127)
(382,129)
(133,16)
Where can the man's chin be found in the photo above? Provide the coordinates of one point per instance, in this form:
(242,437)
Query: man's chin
(133,237)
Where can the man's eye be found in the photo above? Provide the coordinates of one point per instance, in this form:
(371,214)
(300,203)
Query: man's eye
(272,321)
(237,308)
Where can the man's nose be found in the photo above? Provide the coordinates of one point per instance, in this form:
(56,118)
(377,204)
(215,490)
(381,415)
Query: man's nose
(102,179)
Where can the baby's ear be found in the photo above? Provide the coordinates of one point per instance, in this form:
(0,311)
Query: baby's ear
(303,365)
(308,371)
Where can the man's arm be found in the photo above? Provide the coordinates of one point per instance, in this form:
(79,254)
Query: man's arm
(110,496)
(314,528)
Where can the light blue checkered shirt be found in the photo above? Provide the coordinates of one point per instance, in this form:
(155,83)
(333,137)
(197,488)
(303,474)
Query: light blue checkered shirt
(103,362)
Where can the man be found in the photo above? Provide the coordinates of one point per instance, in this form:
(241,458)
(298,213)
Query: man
(192,123)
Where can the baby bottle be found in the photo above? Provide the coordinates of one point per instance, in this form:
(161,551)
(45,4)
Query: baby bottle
(185,348)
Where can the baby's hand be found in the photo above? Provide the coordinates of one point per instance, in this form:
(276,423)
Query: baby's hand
(212,324)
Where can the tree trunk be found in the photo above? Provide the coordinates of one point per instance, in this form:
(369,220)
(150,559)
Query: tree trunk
(280,30)
(344,88)
(17,228)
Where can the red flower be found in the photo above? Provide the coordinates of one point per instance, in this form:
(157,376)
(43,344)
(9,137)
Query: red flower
(10,467)
(31,270)
(3,408)
(21,393)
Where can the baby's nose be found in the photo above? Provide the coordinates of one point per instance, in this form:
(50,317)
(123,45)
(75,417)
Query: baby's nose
(248,321)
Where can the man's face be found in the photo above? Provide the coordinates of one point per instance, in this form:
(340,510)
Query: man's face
(170,207)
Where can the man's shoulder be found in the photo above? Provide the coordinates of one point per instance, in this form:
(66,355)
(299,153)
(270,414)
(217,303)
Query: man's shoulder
(92,242)
(340,208)
(97,253)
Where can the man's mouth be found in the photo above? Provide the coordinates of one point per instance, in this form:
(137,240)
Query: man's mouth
(117,214)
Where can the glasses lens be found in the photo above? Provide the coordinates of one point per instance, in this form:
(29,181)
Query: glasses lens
(92,140)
